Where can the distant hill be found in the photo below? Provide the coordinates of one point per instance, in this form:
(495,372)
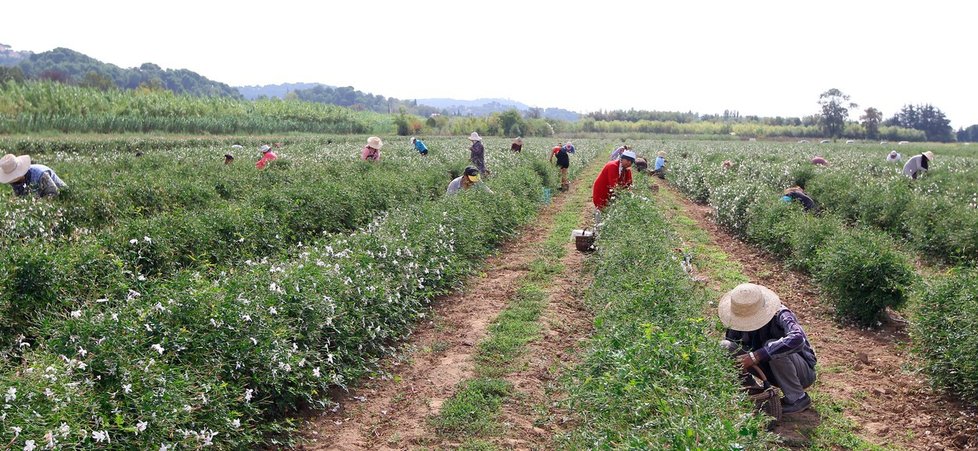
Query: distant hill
(485,107)
(278,91)
(10,57)
(68,66)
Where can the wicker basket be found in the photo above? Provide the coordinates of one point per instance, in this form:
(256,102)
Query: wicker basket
(583,239)
(765,396)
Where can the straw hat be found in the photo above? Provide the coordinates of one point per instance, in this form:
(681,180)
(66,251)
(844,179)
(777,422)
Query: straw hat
(628,155)
(374,142)
(13,168)
(929,155)
(265,148)
(475,137)
(661,153)
(748,307)
(518,140)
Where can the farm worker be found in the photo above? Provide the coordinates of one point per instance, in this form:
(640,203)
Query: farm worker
(25,177)
(228,158)
(763,332)
(468,179)
(918,164)
(796,193)
(616,154)
(893,157)
(726,165)
(371,152)
(477,154)
(660,164)
(267,156)
(517,145)
(614,174)
(419,146)
(819,161)
(563,162)
(569,147)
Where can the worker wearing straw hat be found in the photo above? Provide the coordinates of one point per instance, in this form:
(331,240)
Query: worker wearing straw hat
(918,164)
(517,145)
(371,151)
(267,156)
(477,154)
(763,332)
(26,178)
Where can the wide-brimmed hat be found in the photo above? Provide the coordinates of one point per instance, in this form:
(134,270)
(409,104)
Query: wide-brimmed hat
(518,140)
(13,168)
(475,137)
(748,307)
(413,140)
(661,153)
(265,148)
(374,142)
(929,155)
(628,155)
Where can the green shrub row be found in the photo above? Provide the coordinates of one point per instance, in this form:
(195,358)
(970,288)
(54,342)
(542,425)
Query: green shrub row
(945,332)
(194,361)
(863,273)
(654,376)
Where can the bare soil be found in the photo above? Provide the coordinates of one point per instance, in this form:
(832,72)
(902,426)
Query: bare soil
(869,371)
(391,412)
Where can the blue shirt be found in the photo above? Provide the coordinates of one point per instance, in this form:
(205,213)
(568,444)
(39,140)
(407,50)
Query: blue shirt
(32,180)
(420,147)
(659,163)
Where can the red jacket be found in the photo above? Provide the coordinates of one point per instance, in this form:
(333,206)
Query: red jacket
(610,178)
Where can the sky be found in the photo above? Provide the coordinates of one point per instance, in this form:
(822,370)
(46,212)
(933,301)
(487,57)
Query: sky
(765,58)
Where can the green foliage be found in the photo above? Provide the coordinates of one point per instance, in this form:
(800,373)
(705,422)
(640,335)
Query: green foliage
(863,276)
(653,376)
(835,112)
(945,332)
(473,408)
(75,68)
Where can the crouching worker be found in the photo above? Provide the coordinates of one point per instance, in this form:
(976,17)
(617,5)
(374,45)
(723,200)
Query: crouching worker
(468,179)
(26,178)
(763,332)
(796,193)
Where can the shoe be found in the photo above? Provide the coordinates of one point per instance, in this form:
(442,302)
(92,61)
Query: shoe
(798,406)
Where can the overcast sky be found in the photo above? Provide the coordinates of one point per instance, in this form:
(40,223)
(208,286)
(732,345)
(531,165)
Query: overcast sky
(766,58)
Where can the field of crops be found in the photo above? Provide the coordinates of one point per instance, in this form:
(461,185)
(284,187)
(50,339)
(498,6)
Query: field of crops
(169,300)
(875,228)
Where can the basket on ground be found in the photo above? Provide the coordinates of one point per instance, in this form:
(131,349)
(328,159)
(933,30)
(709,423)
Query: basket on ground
(583,239)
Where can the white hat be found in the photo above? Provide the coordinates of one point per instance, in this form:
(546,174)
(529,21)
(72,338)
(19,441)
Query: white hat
(748,307)
(264,148)
(628,155)
(929,155)
(13,168)
(475,137)
(374,142)
(413,139)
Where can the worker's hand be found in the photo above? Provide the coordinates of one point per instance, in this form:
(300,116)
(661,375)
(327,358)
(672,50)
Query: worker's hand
(746,362)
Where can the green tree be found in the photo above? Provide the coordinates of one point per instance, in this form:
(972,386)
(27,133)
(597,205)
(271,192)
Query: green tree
(872,118)
(925,118)
(14,74)
(510,119)
(98,81)
(835,112)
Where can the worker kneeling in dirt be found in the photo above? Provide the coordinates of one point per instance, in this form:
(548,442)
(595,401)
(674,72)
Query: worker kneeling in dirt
(762,332)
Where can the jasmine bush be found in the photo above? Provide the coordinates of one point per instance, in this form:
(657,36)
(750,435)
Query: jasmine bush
(945,329)
(654,376)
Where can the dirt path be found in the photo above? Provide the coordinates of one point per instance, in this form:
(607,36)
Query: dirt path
(391,412)
(864,370)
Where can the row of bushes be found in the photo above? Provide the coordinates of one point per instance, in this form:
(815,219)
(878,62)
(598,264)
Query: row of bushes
(194,361)
(654,376)
(862,272)
(937,226)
